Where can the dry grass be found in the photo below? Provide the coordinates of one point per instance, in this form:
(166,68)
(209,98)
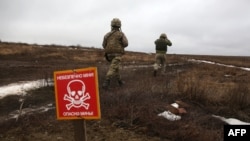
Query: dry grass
(207,88)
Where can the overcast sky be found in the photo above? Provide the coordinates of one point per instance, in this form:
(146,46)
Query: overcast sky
(209,27)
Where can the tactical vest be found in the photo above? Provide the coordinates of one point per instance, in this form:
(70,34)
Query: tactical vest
(161,45)
(114,43)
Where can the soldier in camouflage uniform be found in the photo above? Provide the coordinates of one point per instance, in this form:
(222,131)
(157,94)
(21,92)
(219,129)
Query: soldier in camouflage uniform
(114,43)
(161,50)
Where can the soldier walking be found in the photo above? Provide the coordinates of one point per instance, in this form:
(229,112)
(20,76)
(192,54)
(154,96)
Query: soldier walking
(114,43)
(161,46)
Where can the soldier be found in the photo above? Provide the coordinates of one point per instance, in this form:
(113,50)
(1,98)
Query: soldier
(114,43)
(161,50)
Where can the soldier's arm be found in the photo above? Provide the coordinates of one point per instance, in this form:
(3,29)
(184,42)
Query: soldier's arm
(104,43)
(156,41)
(124,40)
(169,42)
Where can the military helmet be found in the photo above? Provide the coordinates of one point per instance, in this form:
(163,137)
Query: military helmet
(163,35)
(116,22)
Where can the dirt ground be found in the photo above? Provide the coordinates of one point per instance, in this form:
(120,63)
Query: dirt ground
(128,113)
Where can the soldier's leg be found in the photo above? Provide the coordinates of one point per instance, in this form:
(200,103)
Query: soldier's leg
(157,64)
(117,74)
(113,71)
(109,75)
(164,63)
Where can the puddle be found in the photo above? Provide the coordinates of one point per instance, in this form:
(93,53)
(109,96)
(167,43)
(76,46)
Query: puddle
(20,88)
(28,111)
(231,121)
(209,62)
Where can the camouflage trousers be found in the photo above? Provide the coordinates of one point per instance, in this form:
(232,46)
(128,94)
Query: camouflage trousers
(114,68)
(160,62)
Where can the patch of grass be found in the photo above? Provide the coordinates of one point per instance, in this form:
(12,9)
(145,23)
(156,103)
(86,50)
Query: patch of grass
(9,104)
(207,88)
(239,97)
(39,97)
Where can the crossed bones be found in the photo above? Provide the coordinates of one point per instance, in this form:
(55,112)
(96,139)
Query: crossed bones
(74,103)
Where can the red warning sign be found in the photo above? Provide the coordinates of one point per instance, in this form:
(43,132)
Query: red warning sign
(77,94)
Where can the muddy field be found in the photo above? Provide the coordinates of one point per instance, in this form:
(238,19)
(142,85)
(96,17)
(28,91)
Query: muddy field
(130,112)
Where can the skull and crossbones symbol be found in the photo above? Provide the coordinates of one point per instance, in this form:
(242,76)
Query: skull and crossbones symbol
(76,95)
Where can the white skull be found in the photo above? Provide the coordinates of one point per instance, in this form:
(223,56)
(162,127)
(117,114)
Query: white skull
(76,90)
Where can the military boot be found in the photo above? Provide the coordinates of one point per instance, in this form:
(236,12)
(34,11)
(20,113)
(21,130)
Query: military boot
(106,84)
(120,82)
(155,72)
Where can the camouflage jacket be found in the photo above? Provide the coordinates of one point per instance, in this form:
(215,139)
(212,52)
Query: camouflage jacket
(114,42)
(161,45)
